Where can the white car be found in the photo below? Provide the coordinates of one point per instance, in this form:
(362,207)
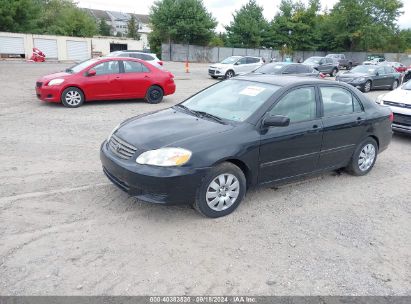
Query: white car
(235,65)
(149,57)
(399,101)
(374,61)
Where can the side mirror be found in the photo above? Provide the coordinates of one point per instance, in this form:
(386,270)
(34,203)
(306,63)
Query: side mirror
(237,63)
(276,121)
(91,72)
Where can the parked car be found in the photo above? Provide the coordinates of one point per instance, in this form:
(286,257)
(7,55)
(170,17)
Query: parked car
(149,57)
(234,65)
(289,69)
(106,79)
(247,131)
(399,101)
(342,61)
(374,61)
(369,77)
(407,75)
(323,65)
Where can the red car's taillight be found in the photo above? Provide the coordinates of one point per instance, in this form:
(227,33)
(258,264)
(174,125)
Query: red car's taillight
(322,75)
(160,62)
(392,117)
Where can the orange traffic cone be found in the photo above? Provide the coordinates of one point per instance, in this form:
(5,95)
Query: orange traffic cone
(187,67)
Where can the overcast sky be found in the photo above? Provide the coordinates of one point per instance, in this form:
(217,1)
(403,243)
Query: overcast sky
(221,9)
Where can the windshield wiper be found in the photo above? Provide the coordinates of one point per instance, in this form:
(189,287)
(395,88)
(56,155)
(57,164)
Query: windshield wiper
(186,109)
(208,115)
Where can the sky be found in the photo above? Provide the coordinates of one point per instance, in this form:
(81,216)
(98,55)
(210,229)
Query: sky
(222,10)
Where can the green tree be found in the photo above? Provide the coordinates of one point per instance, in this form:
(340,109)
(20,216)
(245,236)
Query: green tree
(19,15)
(132,28)
(180,21)
(103,28)
(248,27)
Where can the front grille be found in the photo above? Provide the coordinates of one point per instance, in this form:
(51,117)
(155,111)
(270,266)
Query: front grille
(402,119)
(121,148)
(211,72)
(397,104)
(39,84)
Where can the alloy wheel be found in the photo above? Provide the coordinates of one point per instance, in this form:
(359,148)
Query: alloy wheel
(222,192)
(367,157)
(73,98)
(229,74)
(367,86)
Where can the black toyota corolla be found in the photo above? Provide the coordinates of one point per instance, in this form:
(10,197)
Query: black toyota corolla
(246,131)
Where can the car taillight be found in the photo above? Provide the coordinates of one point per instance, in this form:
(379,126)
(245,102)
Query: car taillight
(392,117)
(322,75)
(160,62)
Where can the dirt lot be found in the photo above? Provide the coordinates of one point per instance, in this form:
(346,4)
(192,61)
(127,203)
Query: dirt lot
(65,229)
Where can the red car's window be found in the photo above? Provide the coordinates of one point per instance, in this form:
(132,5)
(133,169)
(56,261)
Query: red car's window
(108,67)
(134,67)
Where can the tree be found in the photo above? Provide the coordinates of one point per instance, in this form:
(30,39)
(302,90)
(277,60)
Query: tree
(103,28)
(19,15)
(248,27)
(132,28)
(180,21)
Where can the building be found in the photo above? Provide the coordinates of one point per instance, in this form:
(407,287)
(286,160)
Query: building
(118,22)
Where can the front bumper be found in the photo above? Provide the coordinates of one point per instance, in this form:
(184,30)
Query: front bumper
(163,185)
(48,93)
(215,73)
(402,123)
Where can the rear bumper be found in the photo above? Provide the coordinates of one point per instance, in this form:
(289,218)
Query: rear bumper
(48,93)
(170,88)
(163,185)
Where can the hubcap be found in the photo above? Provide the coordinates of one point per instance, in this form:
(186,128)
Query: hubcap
(155,94)
(229,74)
(395,85)
(367,86)
(367,157)
(73,98)
(222,192)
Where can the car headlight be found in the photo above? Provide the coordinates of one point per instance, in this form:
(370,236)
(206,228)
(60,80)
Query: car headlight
(56,81)
(164,157)
(379,99)
(113,131)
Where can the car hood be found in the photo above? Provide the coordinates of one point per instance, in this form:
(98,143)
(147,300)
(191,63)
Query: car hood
(220,66)
(167,127)
(398,95)
(55,75)
(353,75)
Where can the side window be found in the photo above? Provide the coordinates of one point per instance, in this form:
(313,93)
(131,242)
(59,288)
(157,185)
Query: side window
(338,101)
(252,60)
(388,70)
(298,105)
(134,67)
(146,57)
(292,69)
(242,61)
(381,71)
(329,60)
(302,69)
(108,67)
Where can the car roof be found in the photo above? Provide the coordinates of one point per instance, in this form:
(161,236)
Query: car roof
(281,80)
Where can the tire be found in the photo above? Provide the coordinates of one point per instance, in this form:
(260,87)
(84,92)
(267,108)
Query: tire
(349,66)
(72,97)
(394,85)
(334,72)
(154,94)
(367,86)
(229,74)
(214,201)
(364,157)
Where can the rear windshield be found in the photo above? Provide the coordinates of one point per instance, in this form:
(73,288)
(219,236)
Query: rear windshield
(270,68)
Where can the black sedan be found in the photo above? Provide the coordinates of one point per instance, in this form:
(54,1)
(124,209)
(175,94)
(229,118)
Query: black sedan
(247,131)
(369,77)
(289,69)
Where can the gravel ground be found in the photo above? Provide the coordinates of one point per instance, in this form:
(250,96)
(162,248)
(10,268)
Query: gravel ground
(66,230)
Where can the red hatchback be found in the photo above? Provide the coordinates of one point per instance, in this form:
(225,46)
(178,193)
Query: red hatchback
(106,79)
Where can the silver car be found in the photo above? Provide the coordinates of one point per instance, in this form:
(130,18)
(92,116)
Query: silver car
(149,57)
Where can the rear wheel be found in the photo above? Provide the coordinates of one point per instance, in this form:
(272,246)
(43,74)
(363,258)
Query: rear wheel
(221,191)
(154,94)
(349,66)
(72,97)
(364,157)
(334,72)
(394,85)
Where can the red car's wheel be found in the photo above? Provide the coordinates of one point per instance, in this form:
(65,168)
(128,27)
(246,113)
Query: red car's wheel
(72,97)
(154,94)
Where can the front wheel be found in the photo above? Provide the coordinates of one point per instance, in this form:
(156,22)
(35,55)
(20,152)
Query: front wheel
(154,94)
(72,97)
(394,85)
(229,74)
(367,87)
(364,157)
(221,191)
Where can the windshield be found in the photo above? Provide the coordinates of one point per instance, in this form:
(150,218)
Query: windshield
(332,56)
(270,68)
(82,65)
(363,69)
(231,99)
(313,60)
(407,86)
(230,60)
